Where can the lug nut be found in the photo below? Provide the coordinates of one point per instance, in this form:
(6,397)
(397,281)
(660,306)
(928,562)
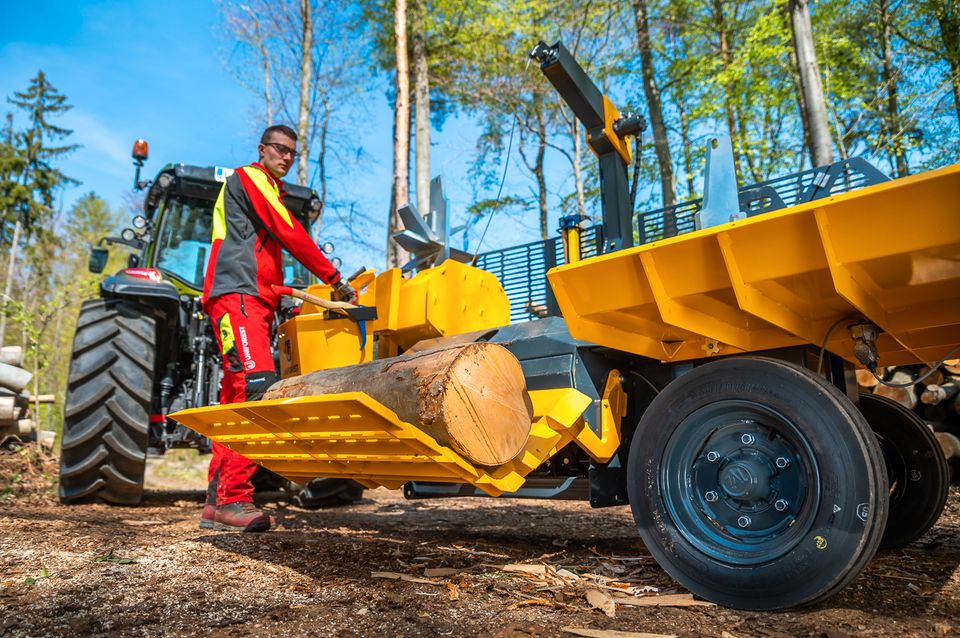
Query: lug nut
(783,462)
(711,496)
(747,439)
(744,521)
(713,457)
(780,504)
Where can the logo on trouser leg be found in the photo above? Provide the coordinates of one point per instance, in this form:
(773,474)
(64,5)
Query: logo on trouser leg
(248,362)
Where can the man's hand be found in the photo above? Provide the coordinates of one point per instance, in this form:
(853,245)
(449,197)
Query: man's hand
(343,291)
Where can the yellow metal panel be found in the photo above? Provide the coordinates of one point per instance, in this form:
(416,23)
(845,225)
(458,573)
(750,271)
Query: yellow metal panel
(351,435)
(889,253)
(310,342)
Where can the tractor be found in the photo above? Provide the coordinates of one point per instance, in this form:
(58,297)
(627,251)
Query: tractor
(144,348)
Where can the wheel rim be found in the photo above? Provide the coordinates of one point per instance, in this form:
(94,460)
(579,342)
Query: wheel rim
(740,482)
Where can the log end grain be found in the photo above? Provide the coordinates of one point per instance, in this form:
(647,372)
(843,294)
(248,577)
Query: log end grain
(485,405)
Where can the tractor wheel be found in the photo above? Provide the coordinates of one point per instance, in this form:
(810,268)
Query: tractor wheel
(106,417)
(326,492)
(757,485)
(917,470)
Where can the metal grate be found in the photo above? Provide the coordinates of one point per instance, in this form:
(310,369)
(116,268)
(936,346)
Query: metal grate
(522,272)
(522,269)
(774,194)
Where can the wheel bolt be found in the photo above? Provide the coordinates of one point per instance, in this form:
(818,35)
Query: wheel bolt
(713,457)
(747,439)
(783,462)
(711,496)
(744,521)
(781,504)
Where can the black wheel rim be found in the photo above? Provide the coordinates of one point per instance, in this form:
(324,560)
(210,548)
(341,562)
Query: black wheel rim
(740,482)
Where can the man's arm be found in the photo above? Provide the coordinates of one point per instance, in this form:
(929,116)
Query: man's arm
(280,223)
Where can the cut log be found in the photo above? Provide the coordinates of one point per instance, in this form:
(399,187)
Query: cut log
(907,397)
(865,379)
(469,397)
(934,394)
(934,378)
(952,366)
(11,355)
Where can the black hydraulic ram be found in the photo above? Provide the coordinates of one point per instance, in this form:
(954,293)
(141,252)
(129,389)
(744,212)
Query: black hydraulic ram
(606,130)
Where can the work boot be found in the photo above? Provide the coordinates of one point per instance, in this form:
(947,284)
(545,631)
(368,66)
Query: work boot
(209,513)
(241,517)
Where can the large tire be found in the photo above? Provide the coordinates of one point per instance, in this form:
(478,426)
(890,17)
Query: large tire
(109,393)
(918,471)
(756,484)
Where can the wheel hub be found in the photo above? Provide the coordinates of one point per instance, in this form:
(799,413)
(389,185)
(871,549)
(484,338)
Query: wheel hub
(746,478)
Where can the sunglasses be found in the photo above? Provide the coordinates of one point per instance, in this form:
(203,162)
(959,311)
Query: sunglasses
(282,149)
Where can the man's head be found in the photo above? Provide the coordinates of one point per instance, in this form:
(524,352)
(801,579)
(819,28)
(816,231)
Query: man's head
(278,149)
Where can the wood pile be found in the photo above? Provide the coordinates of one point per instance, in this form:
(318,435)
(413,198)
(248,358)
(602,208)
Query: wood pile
(936,399)
(16,418)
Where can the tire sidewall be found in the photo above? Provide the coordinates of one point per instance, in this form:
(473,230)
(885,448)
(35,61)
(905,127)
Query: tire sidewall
(839,522)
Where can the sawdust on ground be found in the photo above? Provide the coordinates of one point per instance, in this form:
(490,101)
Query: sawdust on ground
(393,567)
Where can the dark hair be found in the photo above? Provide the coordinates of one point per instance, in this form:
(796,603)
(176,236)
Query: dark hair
(278,128)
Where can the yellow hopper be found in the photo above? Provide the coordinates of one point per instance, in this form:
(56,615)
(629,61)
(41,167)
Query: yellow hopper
(889,253)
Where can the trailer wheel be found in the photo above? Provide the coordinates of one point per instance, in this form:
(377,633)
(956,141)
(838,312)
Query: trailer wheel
(918,472)
(756,484)
(106,414)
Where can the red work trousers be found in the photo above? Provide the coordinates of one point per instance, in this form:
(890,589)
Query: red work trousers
(242,325)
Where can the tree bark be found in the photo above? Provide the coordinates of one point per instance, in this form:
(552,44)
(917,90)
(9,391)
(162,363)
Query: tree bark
(726,57)
(539,172)
(421,107)
(948,19)
(470,397)
(813,108)
(890,79)
(577,172)
(8,285)
(400,189)
(661,146)
(687,146)
(306,75)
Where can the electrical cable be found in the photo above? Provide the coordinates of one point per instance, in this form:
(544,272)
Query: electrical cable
(655,389)
(917,380)
(503,179)
(826,338)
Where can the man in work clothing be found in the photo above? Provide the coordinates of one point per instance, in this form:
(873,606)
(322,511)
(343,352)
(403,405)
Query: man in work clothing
(251,227)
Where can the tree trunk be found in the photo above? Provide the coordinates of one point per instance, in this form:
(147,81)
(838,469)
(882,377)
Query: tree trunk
(948,19)
(400,189)
(8,285)
(306,75)
(813,106)
(470,397)
(725,60)
(687,146)
(539,172)
(661,146)
(894,127)
(577,172)
(421,106)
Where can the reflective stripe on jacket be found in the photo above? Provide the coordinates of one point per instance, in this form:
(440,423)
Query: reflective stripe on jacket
(246,257)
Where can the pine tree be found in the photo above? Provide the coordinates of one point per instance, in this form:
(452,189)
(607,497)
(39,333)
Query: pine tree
(39,179)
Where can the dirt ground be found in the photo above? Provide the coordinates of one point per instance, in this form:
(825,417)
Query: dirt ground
(392,567)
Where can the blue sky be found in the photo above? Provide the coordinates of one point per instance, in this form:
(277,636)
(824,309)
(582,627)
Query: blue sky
(157,70)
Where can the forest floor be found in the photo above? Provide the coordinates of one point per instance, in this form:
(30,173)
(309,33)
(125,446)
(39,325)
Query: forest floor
(387,566)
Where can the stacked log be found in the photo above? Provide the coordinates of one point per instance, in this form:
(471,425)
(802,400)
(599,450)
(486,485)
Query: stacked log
(16,418)
(936,398)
